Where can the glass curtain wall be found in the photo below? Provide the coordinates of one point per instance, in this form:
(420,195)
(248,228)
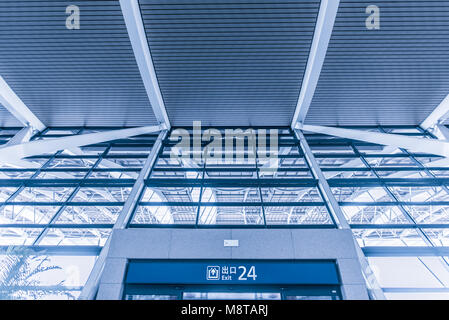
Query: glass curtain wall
(68,201)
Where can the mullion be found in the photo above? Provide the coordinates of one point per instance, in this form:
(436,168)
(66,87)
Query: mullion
(260,189)
(147,178)
(201,193)
(72,195)
(334,223)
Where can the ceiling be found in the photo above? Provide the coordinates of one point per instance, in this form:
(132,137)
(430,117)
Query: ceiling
(238,63)
(395,75)
(226,63)
(85,77)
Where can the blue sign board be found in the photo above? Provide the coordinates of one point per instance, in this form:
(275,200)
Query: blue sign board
(232,272)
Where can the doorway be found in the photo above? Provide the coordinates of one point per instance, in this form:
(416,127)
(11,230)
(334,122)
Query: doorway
(234,292)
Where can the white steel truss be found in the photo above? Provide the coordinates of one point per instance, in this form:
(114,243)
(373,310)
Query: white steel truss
(437,147)
(12,153)
(18,109)
(437,116)
(138,38)
(318,49)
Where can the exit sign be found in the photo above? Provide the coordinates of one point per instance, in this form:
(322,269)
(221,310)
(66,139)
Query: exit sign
(232,272)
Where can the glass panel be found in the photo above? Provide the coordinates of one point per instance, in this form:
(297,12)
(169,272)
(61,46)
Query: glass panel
(410,272)
(402,174)
(6,192)
(71,163)
(165,215)
(168,162)
(175,174)
(69,237)
(429,213)
(44,194)
(292,215)
(52,277)
(16,174)
(234,174)
(440,173)
(391,161)
(27,214)
(289,194)
(420,193)
(361,194)
(329,149)
(89,214)
(114,175)
(291,162)
(388,237)
(230,195)
(332,162)
(433,161)
(346,174)
(374,215)
(439,237)
(105,194)
(171,194)
(18,236)
(61,175)
(127,162)
(238,159)
(285,174)
(231,215)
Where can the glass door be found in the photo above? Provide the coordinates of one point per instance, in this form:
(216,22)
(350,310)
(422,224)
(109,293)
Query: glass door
(215,292)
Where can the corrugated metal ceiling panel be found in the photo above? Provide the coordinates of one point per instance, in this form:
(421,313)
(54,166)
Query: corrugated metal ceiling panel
(226,63)
(7,120)
(231,62)
(72,77)
(392,76)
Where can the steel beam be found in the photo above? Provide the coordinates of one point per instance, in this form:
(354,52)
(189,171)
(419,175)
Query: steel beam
(439,114)
(138,38)
(91,286)
(18,109)
(441,132)
(336,212)
(24,135)
(318,49)
(16,152)
(437,147)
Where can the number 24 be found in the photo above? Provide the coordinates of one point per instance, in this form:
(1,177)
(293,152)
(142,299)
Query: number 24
(251,273)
